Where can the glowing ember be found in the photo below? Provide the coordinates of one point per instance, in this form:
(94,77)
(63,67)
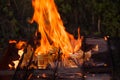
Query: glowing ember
(16,62)
(53,34)
(20,53)
(19,45)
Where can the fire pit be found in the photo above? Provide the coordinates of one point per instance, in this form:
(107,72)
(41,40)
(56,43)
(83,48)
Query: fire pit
(58,56)
(79,68)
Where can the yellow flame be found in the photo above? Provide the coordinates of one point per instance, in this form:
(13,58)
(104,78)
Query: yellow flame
(16,62)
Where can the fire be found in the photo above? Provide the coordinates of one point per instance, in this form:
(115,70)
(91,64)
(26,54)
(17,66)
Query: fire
(16,62)
(20,46)
(12,41)
(52,30)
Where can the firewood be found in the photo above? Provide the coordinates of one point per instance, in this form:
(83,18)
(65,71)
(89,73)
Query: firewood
(78,57)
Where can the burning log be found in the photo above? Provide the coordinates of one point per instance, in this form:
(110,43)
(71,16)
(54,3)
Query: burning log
(77,57)
(27,56)
(47,59)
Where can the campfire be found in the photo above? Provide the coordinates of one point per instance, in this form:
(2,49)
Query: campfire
(55,53)
(55,46)
(54,40)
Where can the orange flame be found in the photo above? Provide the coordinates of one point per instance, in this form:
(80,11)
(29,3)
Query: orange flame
(12,41)
(52,29)
(20,44)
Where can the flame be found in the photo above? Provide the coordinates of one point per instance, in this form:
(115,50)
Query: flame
(12,41)
(52,30)
(19,45)
(16,62)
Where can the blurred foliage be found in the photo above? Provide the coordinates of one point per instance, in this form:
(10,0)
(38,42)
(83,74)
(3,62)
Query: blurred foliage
(87,13)
(14,15)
